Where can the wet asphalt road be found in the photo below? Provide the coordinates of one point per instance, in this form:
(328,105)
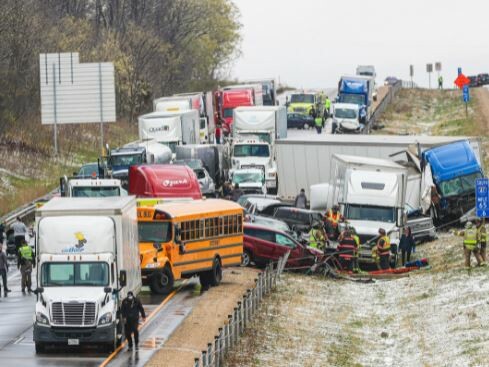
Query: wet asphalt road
(16,338)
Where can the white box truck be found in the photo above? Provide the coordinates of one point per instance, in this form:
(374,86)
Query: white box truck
(170,128)
(87,261)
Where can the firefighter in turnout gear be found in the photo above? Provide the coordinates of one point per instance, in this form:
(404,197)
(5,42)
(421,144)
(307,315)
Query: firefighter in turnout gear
(383,249)
(348,251)
(470,243)
(332,219)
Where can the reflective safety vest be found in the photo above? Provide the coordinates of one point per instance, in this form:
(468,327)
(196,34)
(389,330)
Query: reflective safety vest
(327,104)
(357,239)
(384,249)
(318,121)
(314,238)
(26,252)
(470,238)
(482,234)
(334,218)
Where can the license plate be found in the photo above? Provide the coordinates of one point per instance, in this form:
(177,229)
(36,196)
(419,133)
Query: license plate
(73,341)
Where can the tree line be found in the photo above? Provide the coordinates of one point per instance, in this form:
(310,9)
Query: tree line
(158,47)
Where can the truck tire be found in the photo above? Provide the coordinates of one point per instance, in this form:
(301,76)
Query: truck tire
(162,281)
(40,348)
(215,275)
(246,258)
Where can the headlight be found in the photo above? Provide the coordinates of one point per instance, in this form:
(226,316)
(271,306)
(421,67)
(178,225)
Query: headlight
(41,318)
(105,319)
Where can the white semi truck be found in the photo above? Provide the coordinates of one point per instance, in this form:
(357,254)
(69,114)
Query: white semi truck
(91,187)
(170,128)
(87,261)
(255,130)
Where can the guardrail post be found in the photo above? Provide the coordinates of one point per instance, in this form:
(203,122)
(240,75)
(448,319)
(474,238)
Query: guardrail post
(204,359)
(229,332)
(209,354)
(221,345)
(196,362)
(235,326)
(216,351)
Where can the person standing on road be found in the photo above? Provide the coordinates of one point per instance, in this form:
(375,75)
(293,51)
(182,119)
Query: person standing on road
(383,249)
(406,244)
(3,272)
(440,82)
(218,134)
(317,238)
(130,310)
(301,200)
(2,233)
(481,238)
(20,231)
(26,263)
(327,107)
(470,243)
(318,121)
(312,112)
(332,219)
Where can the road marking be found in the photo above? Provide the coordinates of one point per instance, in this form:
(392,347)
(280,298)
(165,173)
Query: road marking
(19,339)
(156,310)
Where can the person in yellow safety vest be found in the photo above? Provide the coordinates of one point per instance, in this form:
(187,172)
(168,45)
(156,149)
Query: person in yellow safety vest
(332,219)
(316,237)
(470,243)
(25,263)
(327,107)
(318,122)
(383,249)
(481,238)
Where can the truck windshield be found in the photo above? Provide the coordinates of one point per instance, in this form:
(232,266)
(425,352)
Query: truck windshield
(126,160)
(358,99)
(371,213)
(95,192)
(247,177)
(251,150)
(228,112)
(160,232)
(261,137)
(302,98)
(344,113)
(459,185)
(83,274)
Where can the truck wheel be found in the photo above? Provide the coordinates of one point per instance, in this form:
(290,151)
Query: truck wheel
(215,275)
(40,348)
(246,258)
(162,281)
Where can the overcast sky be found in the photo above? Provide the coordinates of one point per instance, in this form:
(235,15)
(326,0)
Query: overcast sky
(311,43)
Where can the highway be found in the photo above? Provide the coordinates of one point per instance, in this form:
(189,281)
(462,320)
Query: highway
(16,332)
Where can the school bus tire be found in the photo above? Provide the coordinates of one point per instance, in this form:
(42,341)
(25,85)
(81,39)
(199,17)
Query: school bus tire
(215,275)
(162,281)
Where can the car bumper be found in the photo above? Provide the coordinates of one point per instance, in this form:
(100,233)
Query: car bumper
(60,335)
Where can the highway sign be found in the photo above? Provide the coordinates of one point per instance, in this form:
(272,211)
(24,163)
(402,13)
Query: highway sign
(482,197)
(461,81)
(429,68)
(459,71)
(466,94)
(438,66)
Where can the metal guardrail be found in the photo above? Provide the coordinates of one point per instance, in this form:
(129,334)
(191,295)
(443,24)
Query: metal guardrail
(27,211)
(384,104)
(230,333)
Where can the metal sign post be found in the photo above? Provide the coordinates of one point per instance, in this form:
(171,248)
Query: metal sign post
(411,74)
(482,197)
(429,70)
(466,98)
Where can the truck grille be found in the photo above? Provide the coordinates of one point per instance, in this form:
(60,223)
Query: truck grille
(299,109)
(245,166)
(73,314)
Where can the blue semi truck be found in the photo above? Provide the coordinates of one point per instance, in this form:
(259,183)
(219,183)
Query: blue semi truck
(453,169)
(358,90)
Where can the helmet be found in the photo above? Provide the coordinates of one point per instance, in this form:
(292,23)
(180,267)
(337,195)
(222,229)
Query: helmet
(336,207)
(468,225)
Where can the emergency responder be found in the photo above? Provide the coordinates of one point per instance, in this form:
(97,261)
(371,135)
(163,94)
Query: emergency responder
(26,263)
(440,82)
(348,250)
(327,107)
(312,112)
(470,243)
(332,219)
(383,248)
(130,310)
(317,238)
(301,200)
(318,122)
(481,238)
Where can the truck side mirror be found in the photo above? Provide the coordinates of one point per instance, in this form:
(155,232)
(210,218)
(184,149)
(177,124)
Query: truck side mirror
(38,290)
(108,290)
(123,278)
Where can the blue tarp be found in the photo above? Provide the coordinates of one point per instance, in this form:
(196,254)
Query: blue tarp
(353,86)
(452,160)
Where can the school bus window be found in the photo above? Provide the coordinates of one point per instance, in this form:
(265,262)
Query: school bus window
(201,228)
(240,223)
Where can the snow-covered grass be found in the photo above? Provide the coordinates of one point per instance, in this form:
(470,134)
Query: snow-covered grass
(437,317)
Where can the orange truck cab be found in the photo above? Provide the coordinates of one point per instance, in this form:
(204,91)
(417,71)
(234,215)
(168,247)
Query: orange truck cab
(187,238)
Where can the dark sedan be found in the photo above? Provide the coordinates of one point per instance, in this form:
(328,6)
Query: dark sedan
(299,121)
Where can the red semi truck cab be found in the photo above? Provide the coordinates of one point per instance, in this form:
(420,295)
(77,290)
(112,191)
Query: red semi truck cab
(228,100)
(163,181)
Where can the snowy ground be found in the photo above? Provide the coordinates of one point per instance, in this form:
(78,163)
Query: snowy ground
(437,317)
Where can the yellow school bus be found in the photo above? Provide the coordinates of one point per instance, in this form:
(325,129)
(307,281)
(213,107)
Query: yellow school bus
(182,239)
